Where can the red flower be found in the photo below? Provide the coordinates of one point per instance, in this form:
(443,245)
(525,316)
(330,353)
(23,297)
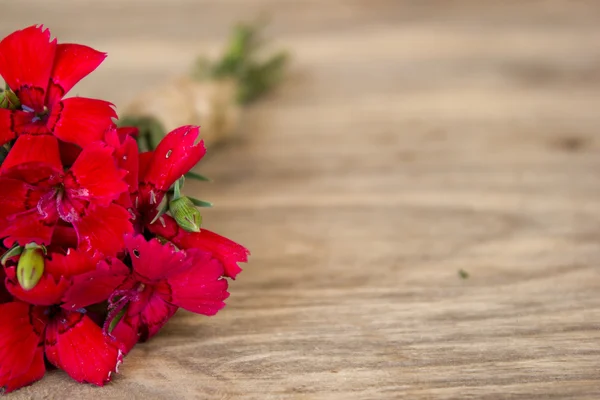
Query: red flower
(228,252)
(126,156)
(92,261)
(175,155)
(41,72)
(5,296)
(70,340)
(162,279)
(34,324)
(38,195)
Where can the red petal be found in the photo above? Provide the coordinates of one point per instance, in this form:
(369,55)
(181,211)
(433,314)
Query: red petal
(17,196)
(103,229)
(145,159)
(28,148)
(19,217)
(72,63)
(96,286)
(226,251)
(28,227)
(42,177)
(95,177)
(81,121)
(200,288)
(77,345)
(26,59)
(75,262)
(153,261)
(7,131)
(16,123)
(128,131)
(21,353)
(126,155)
(63,237)
(175,155)
(127,330)
(68,153)
(154,316)
(49,290)
(5,297)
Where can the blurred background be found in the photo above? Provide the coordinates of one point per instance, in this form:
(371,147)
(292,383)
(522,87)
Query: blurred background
(408,141)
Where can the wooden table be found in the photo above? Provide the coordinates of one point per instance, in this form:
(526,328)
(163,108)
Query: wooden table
(411,140)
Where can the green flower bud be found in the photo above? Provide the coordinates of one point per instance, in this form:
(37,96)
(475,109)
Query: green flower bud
(30,267)
(186,214)
(9,100)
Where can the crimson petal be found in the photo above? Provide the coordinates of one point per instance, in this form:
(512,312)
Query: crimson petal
(175,155)
(223,249)
(153,261)
(127,331)
(21,353)
(94,176)
(103,229)
(29,148)
(80,120)
(5,296)
(145,159)
(154,316)
(47,292)
(17,196)
(199,289)
(126,155)
(75,262)
(7,131)
(29,227)
(95,286)
(14,123)
(72,63)
(77,345)
(26,59)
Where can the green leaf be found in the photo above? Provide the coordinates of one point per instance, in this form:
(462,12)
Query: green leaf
(117,319)
(198,177)
(255,73)
(201,203)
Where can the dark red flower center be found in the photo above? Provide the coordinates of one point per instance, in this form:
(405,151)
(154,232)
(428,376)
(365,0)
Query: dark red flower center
(120,299)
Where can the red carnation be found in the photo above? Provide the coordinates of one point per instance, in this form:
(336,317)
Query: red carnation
(39,194)
(99,247)
(161,280)
(41,72)
(176,154)
(228,252)
(35,324)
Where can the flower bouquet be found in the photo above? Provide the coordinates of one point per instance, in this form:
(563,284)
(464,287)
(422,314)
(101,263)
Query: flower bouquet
(100,246)
(212,95)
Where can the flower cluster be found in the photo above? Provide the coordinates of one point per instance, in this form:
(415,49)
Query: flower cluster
(99,247)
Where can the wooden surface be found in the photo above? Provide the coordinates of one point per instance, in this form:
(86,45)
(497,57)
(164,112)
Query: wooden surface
(411,140)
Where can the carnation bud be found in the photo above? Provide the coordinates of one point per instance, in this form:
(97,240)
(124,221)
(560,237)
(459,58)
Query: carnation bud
(9,100)
(186,214)
(30,267)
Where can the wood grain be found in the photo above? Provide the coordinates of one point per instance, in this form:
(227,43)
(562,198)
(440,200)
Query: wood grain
(411,140)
